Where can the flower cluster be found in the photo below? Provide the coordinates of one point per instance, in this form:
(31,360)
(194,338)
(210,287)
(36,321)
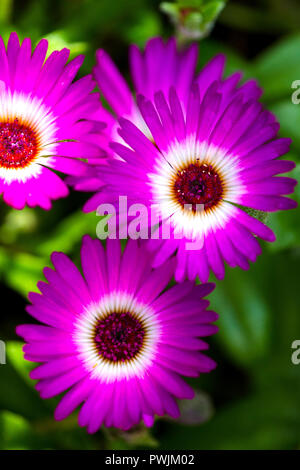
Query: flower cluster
(197,150)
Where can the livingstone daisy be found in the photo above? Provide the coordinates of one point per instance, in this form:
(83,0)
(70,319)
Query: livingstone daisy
(47,123)
(207,162)
(159,67)
(115,339)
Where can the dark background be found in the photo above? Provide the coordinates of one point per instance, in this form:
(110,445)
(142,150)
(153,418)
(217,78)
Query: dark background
(251,401)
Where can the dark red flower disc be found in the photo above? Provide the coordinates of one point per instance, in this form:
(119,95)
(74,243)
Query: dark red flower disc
(198,184)
(119,337)
(18,145)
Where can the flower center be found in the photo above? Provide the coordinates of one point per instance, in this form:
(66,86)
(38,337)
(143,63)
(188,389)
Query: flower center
(18,145)
(198,184)
(119,337)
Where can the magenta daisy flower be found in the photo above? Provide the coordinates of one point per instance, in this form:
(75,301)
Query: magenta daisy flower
(46,122)
(115,340)
(208,162)
(146,72)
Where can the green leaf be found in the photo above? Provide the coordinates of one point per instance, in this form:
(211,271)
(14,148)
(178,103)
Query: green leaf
(6,7)
(68,233)
(16,396)
(15,430)
(14,351)
(278,67)
(288,115)
(212,10)
(23,272)
(267,420)
(18,223)
(244,317)
(58,40)
(286,224)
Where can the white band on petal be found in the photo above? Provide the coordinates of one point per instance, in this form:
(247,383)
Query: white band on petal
(30,112)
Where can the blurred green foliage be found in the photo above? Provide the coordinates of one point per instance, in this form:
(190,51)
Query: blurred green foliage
(193,19)
(251,400)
